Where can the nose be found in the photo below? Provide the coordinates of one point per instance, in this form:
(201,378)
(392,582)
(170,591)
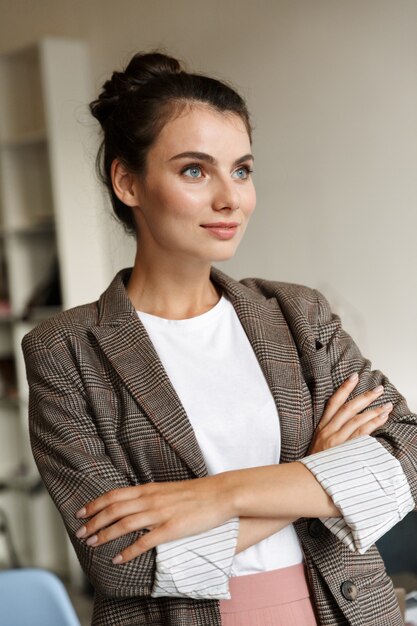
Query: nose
(226,197)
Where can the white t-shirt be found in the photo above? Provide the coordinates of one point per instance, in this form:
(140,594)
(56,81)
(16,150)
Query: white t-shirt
(222,388)
(218,379)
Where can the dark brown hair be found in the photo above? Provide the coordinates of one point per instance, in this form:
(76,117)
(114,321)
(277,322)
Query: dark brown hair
(135,105)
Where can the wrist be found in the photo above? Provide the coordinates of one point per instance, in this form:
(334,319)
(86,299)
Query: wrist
(229,490)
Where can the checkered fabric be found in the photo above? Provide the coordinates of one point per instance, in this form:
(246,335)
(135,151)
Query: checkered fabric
(103,414)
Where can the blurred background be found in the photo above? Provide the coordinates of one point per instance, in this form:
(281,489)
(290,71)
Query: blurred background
(332,87)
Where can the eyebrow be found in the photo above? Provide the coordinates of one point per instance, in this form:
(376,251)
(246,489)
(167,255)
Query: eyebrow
(202,156)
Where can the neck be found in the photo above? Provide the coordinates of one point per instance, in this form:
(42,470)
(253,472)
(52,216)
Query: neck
(171,291)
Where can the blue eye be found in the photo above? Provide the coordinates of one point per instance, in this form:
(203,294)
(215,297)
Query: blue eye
(243,172)
(195,171)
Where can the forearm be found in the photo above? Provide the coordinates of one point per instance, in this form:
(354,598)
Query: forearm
(187,508)
(252,530)
(286,491)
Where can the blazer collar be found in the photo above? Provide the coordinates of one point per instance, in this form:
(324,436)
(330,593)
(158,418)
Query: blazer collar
(125,342)
(269,334)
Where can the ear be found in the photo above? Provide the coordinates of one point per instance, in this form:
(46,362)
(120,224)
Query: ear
(125,184)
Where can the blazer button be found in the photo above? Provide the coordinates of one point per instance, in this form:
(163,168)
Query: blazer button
(349,590)
(315,528)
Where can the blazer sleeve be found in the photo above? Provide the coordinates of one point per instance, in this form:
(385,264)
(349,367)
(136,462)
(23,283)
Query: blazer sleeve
(372,479)
(75,467)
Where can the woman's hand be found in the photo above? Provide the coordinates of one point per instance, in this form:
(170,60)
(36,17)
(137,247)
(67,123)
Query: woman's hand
(343,420)
(168,510)
(178,509)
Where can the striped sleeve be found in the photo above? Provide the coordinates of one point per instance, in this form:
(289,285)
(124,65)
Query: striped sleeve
(368,486)
(198,566)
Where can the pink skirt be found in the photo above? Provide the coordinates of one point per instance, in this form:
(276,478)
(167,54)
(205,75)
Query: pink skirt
(277,598)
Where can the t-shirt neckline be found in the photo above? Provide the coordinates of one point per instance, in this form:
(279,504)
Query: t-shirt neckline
(196,321)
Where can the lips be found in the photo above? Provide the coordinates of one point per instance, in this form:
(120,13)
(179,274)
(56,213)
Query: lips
(222,230)
(221,225)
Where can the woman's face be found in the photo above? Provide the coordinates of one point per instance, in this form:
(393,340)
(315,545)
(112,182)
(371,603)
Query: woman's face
(198,194)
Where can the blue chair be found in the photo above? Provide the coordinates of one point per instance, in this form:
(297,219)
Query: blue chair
(34,597)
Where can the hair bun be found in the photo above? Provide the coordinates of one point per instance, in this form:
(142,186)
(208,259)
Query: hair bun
(141,69)
(144,67)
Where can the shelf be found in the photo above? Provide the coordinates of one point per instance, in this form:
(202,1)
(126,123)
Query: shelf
(9,442)
(31,485)
(44,225)
(6,341)
(9,402)
(30,261)
(5,312)
(27,138)
(26,185)
(39,314)
(49,252)
(21,94)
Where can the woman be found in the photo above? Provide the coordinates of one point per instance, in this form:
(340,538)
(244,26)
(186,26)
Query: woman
(196,432)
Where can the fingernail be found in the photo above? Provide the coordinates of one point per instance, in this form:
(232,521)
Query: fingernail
(117,559)
(92,540)
(388,406)
(81,513)
(379,389)
(353,377)
(81,532)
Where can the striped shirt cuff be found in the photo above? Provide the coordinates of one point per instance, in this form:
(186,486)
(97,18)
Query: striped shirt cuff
(368,486)
(198,566)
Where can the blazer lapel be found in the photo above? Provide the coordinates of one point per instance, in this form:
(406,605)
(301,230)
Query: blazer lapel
(273,344)
(126,344)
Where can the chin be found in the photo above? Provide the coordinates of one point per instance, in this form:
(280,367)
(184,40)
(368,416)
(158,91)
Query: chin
(223,256)
(218,253)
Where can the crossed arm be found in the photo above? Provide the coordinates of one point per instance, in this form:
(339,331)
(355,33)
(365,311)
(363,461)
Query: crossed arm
(74,463)
(264,498)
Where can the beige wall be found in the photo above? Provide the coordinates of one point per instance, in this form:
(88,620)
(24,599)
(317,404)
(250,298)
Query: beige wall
(332,85)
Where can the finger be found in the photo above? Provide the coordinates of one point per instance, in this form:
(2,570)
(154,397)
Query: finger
(351,408)
(365,399)
(330,438)
(371,426)
(362,420)
(143,544)
(112,513)
(125,526)
(339,398)
(115,495)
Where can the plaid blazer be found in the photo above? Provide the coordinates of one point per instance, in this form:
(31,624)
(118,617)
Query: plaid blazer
(103,414)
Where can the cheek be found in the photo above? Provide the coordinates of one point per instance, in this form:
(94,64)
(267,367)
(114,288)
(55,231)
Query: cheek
(179,202)
(250,202)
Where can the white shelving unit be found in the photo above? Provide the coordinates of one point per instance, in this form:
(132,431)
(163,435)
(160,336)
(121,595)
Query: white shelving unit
(49,205)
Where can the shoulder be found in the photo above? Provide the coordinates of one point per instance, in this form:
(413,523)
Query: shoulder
(306,311)
(262,289)
(59,329)
(297,302)
(291,297)
(74,325)
(283,291)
